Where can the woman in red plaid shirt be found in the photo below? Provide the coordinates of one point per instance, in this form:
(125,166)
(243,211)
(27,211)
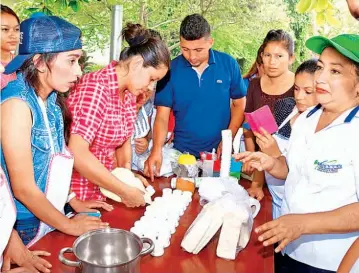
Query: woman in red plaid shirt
(103,106)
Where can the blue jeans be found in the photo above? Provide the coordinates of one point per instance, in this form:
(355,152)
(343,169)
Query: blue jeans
(289,265)
(27,229)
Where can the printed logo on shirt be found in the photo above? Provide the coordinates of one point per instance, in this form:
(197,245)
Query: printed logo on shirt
(327,166)
(219,81)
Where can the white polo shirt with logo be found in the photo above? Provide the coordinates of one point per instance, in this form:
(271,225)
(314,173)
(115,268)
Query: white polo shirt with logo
(323,176)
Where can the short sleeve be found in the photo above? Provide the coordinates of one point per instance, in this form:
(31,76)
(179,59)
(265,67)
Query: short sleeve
(87,105)
(250,100)
(238,87)
(164,92)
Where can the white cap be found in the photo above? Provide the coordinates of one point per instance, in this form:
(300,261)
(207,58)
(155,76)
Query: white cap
(150,190)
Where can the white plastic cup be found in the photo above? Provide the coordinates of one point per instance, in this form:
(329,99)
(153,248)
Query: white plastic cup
(177,193)
(187,194)
(173,221)
(158,251)
(150,190)
(172,227)
(164,232)
(136,231)
(158,200)
(166,192)
(165,242)
(150,233)
(139,224)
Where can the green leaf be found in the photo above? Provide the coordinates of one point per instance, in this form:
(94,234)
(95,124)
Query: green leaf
(74,5)
(304,5)
(31,10)
(47,11)
(63,3)
(320,19)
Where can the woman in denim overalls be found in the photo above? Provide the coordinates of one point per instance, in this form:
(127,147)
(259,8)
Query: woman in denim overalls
(34,155)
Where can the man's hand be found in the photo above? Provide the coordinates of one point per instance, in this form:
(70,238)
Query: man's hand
(141,145)
(17,253)
(89,206)
(153,165)
(219,150)
(285,229)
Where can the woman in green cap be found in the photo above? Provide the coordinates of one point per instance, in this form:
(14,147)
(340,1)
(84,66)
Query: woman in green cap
(320,210)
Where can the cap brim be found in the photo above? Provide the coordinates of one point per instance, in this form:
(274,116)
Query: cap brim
(318,43)
(16,63)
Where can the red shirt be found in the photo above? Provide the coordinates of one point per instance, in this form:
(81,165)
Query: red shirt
(102,119)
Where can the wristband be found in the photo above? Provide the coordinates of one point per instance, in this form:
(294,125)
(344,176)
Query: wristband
(71,196)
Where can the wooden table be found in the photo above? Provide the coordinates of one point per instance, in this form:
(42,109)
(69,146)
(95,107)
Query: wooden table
(254,258)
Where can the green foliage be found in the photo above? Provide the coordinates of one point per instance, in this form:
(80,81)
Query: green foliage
(301,26)
(324,11)
(238,26)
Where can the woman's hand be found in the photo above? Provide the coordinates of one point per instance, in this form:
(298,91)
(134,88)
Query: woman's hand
(267,143)
(82,223)
(17,253)
(133,197)
(285,229)
(143,180)
(89,206)
(247,169)
(257,160)
(256,192)
(141,145)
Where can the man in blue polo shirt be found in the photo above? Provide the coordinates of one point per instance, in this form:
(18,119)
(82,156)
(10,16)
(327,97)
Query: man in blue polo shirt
(199,89)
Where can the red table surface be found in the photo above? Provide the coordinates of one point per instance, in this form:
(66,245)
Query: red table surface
(254,258)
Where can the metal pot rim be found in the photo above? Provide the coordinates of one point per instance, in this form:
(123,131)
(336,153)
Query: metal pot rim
(106,230)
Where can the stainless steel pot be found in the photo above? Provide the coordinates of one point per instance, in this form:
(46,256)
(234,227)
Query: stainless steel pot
(108,251)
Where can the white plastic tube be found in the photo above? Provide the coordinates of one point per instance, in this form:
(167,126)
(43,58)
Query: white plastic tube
(226,153)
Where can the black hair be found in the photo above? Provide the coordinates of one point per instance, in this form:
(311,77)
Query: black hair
(155,34)
(254,70)
(309,66)
(146,43)
(194,27)
(279,35)
(6,9)
(31,75)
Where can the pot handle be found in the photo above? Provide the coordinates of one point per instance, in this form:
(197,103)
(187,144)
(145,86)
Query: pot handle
(148,250)
(66,261)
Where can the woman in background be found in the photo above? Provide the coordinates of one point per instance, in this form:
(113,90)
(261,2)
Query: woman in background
(277,83)
(10,38)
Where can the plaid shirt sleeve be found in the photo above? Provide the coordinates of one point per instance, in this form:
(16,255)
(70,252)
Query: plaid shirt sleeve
(87,107)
